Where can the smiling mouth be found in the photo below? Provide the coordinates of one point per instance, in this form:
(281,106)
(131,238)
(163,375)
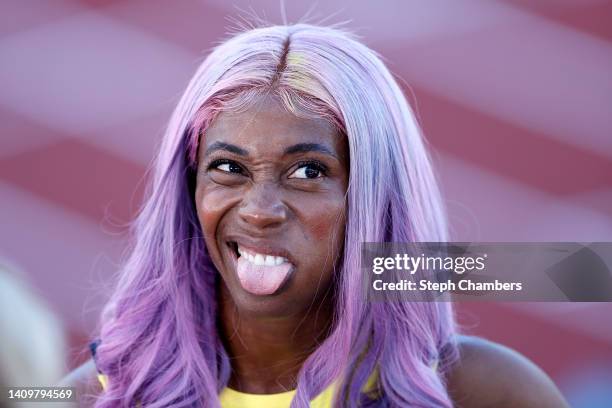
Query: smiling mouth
(260,273)
(256,258)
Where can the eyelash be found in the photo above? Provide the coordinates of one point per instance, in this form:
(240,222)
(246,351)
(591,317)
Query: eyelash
(216,163)
(317,165)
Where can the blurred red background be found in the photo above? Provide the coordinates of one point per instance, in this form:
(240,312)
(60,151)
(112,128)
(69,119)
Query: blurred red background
(515,98)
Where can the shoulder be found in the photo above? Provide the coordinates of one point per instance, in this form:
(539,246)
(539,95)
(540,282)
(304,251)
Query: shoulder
(489,374)
(85,379)
(84,373)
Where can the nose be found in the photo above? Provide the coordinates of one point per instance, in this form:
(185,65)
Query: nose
(262,206)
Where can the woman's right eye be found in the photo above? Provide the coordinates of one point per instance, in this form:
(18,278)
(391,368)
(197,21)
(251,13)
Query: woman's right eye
(226,166)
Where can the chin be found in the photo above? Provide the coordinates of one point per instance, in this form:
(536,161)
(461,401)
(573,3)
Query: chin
(280,304)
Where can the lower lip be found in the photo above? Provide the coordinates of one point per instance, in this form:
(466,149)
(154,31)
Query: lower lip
(261,280)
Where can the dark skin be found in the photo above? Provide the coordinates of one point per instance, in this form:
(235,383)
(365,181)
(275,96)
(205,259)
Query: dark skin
(254,186)
(491,375)
(270,181)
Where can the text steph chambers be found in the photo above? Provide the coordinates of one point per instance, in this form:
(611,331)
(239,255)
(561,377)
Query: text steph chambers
(462,285)
(457,265)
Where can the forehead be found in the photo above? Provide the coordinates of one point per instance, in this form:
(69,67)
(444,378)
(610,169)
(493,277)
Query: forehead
(267,127)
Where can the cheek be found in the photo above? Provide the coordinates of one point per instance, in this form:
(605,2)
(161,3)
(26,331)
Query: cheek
(325,238)
(211,205)
(327,222)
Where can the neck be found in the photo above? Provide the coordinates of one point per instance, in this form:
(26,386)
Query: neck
(266,353)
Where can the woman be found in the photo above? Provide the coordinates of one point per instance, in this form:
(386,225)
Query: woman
(291,146)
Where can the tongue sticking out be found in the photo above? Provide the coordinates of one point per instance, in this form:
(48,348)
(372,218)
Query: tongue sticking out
(260,279)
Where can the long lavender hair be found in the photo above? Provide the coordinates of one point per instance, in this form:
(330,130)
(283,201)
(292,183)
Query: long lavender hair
(160,343)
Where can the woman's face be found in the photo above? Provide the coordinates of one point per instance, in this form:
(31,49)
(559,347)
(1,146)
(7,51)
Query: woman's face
(270,199)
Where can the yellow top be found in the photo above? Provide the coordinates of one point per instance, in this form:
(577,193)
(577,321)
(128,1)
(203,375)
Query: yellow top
(234,399)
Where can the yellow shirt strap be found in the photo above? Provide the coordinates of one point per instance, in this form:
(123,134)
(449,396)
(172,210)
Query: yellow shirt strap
(103,381)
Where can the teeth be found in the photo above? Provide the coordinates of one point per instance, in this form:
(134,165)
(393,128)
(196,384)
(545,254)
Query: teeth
(270,260)
(261,259)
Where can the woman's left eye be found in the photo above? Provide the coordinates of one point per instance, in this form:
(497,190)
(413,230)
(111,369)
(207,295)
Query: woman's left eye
(308,171)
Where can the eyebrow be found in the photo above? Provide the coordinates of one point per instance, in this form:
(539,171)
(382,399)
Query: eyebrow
(294,149)
(228,147)
(309,147)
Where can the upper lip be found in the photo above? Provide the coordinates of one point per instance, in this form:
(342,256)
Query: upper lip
(261,246)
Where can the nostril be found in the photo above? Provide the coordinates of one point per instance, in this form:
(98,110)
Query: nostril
(263,216)
(262,206)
